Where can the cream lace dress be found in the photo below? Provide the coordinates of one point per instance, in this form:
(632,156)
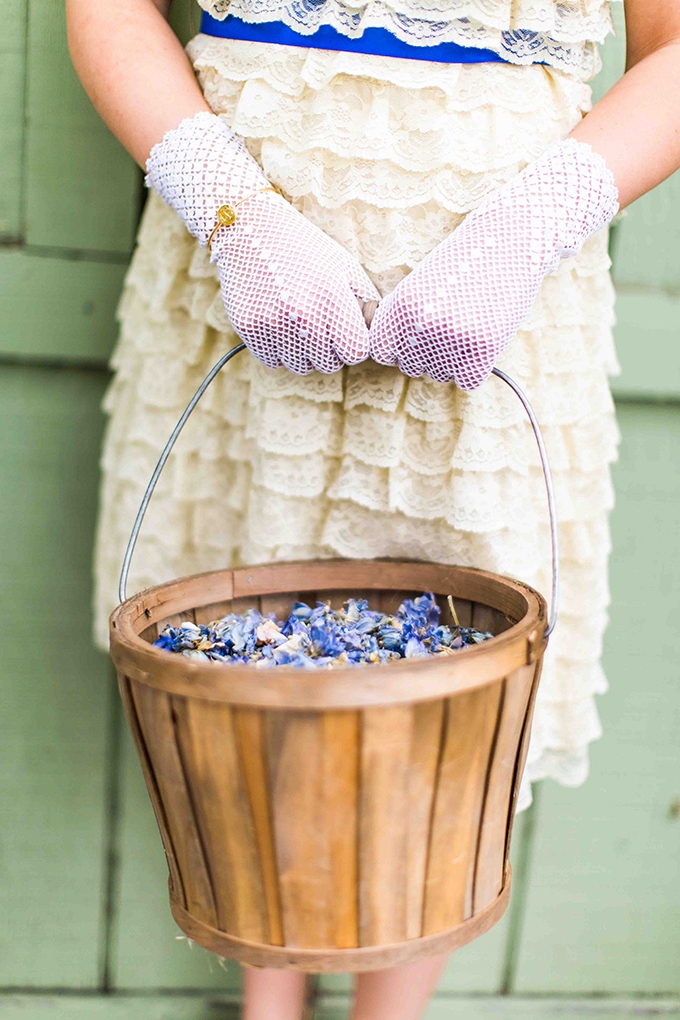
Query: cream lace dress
(387,155)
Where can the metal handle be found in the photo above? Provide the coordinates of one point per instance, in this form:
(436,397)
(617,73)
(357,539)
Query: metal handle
(125,570)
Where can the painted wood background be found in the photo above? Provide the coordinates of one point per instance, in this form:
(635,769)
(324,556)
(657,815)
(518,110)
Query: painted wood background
(594,927)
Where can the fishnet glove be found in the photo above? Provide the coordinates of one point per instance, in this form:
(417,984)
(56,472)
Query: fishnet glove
(455,313)
(292,294)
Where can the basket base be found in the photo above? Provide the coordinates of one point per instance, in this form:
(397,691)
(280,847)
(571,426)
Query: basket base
(334,961)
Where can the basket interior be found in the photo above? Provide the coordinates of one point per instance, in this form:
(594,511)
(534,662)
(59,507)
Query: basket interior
(470,614)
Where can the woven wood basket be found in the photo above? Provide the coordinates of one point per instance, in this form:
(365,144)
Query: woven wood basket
(336,820)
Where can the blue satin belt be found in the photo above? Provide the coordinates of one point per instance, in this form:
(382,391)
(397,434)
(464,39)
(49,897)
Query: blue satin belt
(377,41)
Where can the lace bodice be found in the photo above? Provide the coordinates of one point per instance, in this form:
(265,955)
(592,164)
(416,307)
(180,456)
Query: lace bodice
(560,33)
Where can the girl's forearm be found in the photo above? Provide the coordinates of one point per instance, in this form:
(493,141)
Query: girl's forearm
(636,125)
(133,69)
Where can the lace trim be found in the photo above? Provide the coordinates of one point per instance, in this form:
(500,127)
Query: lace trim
(367,437)
(562,35)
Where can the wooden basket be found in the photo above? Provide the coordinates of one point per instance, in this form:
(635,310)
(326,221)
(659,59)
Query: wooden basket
(336,820)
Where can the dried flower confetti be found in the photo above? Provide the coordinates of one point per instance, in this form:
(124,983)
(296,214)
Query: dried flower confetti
(322,636)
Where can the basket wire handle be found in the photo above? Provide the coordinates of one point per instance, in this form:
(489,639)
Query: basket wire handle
(132,542)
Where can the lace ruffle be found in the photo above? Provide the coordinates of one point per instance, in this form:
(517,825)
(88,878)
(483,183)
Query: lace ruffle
(560,33)
(367,462)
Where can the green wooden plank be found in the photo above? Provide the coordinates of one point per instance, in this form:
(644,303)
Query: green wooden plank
(511,1008)
(57,308)
(646,247)
(82,189)
(55,688)
(603,910)
(214,1007)
(13,14)
(647,337)
(117,1007)
(149,950)
(185,18)
(613,53)
(477,968)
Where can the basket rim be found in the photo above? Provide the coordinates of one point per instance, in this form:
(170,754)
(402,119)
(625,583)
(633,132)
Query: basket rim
(348,687)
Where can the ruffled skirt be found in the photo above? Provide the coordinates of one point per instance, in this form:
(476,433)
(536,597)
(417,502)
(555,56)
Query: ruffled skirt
(387,156)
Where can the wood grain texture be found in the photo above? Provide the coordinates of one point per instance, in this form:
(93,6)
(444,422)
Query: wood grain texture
(325,961)
(176,883)
(56,308)
(410,681)
(154,712)
(210,752)
(250,728)
(386,735)
(602,909)
(226,1006)
(13,17)
(496,819)
(643,256)
(296,782)
(55,689)
(343,821)
(340,737)
(213,611)
(279,605)
(470,728)
(146,950)
(654,316)
(484,618)
(426,743)
(82,188)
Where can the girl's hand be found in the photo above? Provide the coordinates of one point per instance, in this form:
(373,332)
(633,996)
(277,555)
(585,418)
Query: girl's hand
(455,313)
(292,294)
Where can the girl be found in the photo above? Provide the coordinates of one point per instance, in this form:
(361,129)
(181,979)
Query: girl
(384,126)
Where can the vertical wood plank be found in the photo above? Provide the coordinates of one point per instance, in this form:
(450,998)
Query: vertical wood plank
(463,609)
(209,748)
(212,612)
(386,735)
(602,909)
(483,617)
(296,781)
(55,687)
(279,605)
(498,800)
(75,168)
(187,616)
(340,735)
(125,688)
(250,729)
(57,308)
(470,729)
(154,713)
(13,15)
(147,950)
(425,748)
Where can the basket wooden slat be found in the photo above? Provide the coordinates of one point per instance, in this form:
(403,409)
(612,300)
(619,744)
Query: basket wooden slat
(428,717)
(344,819)
(155,715)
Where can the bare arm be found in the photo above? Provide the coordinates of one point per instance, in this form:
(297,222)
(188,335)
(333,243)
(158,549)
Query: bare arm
(133,69)
(636,125)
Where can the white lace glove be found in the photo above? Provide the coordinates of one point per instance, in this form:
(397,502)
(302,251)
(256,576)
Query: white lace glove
(455,313)
(293,295)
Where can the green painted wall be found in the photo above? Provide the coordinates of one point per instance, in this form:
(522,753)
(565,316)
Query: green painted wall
(594,926)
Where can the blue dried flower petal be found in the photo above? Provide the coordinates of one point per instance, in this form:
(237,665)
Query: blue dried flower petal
(321,637)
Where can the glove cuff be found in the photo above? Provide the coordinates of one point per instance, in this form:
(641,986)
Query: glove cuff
(197,167)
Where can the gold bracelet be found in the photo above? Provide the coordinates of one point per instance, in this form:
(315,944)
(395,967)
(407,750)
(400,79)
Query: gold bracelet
(226,214)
